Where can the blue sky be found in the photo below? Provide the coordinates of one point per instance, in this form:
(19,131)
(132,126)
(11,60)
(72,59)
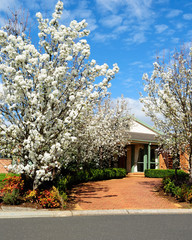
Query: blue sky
(127,32)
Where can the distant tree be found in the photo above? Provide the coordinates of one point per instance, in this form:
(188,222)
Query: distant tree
(101,134)
(169,103)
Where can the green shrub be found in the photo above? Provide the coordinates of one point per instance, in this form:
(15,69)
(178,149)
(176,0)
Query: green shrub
(189,195)
(161,173)
(166,180)
(11,198)
(181,193)
(66,182)
(170,188)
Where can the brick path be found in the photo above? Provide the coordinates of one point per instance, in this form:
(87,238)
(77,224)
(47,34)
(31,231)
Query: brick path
(126,193)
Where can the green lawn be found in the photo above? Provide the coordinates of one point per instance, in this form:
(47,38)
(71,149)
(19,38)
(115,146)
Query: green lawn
(4,175)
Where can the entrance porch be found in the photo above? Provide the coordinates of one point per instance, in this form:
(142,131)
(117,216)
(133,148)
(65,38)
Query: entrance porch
(139,157)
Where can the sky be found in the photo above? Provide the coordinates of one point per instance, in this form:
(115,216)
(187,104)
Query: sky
(130,33)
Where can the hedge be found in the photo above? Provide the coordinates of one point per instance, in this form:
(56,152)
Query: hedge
(162,173)
(64,183)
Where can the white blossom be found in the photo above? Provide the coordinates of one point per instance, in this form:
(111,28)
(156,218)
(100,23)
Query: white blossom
(48,92)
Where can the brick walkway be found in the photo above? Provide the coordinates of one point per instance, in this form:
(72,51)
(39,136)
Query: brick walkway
(126,193)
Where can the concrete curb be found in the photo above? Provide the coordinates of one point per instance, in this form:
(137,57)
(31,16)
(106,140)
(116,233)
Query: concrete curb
(16,213)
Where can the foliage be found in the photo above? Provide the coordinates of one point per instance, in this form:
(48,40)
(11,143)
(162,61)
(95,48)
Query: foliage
(12,190)
(169,186)
(5,175)
(181,191)
(12,183)
(51,109)
(47,198)
(101,135)
(11,198)
(66,182)
(31,196)
(189,195)
(169,103)
(161,173)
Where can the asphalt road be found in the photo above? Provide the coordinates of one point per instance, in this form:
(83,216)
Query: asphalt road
(131,227)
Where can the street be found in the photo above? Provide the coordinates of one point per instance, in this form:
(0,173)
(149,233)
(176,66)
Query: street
(119,227)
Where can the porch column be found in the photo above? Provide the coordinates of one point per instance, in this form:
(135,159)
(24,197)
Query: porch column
(132,157)
(145,157)
(149,155)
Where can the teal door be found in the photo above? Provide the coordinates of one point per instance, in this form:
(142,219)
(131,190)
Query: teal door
(140,162)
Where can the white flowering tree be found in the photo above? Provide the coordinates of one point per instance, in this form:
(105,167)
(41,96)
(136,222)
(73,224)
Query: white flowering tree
(101,134)
(169,103)
(45,89)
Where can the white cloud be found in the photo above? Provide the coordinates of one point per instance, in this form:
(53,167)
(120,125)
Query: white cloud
(100,37)
(92,25)
(129,83)
(121,29)
(187,16)
(138,38)
(179,26)
(135,108)
(109,5)
(6,4)
(112,21)
(161,28)
(140,9)
(132,16)
(82,11)
(173,13)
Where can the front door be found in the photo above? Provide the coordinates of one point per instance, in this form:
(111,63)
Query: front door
(140,162)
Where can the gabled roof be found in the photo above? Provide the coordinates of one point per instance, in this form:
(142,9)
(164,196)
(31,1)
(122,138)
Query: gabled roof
(146,125)
(142,132)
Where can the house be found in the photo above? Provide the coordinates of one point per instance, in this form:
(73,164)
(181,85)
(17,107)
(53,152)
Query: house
(142,151)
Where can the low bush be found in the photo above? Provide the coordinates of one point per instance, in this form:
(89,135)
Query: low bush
(12,198)
(169,187)
(47,198)
(50,199)
(162,173)
(11,183)
(66,182)
(12,190)
(182,191)
(189,196)
(31,196)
